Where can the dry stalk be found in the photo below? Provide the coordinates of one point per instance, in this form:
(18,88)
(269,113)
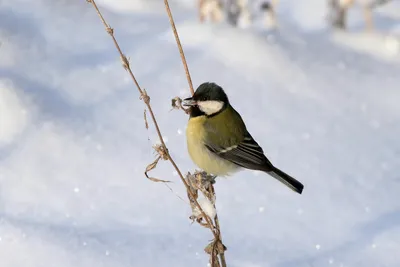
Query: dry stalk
(162,149)
(203,182)
(218,247)
(178,42)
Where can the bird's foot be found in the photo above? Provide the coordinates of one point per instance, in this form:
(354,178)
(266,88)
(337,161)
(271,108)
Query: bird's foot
(205,178)
(211,178)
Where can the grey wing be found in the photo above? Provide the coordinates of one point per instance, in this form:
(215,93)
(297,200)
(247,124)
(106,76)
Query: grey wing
(248,154)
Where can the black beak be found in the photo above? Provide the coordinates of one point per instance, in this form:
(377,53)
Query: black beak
(188,102)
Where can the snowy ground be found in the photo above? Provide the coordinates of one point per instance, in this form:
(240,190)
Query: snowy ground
(73,146)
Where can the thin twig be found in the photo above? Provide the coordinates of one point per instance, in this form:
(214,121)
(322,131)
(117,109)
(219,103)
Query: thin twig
(221,255)
(218,238)
(172,191)
(146,100)
(178,42)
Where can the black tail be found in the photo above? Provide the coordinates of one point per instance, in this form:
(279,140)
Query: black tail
(287,180)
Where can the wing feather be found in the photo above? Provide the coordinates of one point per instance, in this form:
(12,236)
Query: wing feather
(235,143)
(247,154)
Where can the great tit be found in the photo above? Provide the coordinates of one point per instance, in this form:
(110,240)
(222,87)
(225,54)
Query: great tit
(218,141)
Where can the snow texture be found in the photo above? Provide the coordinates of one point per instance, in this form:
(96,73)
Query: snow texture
(73,146)
(207,207)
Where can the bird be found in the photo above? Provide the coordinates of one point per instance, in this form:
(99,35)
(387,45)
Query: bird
(218,141)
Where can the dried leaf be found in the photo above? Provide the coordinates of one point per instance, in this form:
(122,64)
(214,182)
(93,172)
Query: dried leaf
(125,62)
(220,247)
(209,248)
(158,180)
(152,166)
(216,247)
(145,97)
(146,124)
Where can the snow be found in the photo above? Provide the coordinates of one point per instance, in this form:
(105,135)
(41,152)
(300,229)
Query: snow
(389,46)
(73,142)
(13,115)
(207,207)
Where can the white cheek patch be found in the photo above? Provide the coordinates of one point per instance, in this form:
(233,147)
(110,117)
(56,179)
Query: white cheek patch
(211,106)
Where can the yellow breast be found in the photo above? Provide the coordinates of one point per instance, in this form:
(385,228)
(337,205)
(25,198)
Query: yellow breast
(200,155)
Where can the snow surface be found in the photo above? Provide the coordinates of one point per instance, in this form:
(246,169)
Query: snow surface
(73,146)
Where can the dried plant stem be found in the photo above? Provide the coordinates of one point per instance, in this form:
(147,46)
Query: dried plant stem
(146,100)
(222,254)
(218,238)
(178,42)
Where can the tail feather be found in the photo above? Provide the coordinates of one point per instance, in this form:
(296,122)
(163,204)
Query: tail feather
(286,179)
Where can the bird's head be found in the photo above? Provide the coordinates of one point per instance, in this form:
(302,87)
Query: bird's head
(209,98)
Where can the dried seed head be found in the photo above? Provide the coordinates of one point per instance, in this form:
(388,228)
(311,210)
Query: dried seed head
(162,151)
(176,103)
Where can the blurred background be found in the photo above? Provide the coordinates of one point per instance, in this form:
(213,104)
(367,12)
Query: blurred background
(316,81)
